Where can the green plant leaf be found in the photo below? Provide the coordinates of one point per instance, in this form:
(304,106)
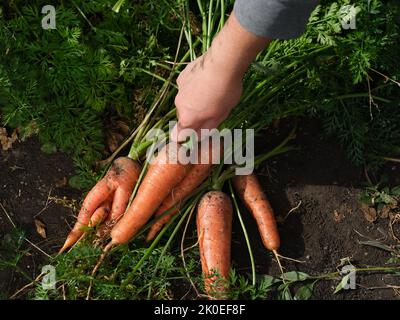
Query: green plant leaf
(266,280)
(395,191)
(284,292)
(304,292)
(294,276)
(384,197)
(342,283)
(77,182)
(49,148)
(365,198)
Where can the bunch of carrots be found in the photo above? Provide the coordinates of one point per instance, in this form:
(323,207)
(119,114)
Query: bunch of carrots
(165,186)
(135,191)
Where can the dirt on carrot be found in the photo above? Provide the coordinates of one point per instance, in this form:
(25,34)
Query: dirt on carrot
(116,185)
(196,175)
(252,194)
(164,173)
(214,230)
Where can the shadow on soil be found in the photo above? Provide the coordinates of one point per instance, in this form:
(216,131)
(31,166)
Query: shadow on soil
(324,186)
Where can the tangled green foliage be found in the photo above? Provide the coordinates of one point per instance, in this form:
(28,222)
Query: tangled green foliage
(347,78)
(60,83)
(161,276)
(63,83)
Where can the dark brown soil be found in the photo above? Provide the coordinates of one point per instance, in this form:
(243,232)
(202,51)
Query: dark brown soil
(32,184)
(318,175)
(323,230)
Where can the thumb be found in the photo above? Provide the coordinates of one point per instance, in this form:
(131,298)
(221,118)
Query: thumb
(180,133)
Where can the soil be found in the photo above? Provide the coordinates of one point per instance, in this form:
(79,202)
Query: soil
(324,229)
(33,185)
(328,224)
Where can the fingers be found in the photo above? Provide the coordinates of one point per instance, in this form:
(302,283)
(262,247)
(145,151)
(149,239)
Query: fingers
(206,96)
(190,121)
(181,134)
(174,133)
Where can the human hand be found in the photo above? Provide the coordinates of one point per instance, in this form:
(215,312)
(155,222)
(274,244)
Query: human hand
(207,93)
(210,86)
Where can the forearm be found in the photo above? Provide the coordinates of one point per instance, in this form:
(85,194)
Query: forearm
(251,26)
(234,48)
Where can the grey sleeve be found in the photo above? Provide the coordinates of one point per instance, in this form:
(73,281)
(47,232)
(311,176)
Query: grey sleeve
(275,19)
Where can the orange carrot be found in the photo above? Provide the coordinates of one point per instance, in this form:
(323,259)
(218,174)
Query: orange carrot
(214,229)
(117,184)
(251,193)
(101,213)
(196,175)
(164,173)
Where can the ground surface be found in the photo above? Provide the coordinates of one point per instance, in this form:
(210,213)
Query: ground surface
(320,232)
(324,228)
(33,185)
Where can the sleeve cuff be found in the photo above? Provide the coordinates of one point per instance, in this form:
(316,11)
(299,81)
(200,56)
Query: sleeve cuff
(274,19)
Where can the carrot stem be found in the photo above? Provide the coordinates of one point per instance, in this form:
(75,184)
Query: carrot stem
(136,150)
(151,248)
(253,267)
(222,18)
(391,159)
(219,179)
(190,209)
(103,255)
(209,25)
(117,6)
